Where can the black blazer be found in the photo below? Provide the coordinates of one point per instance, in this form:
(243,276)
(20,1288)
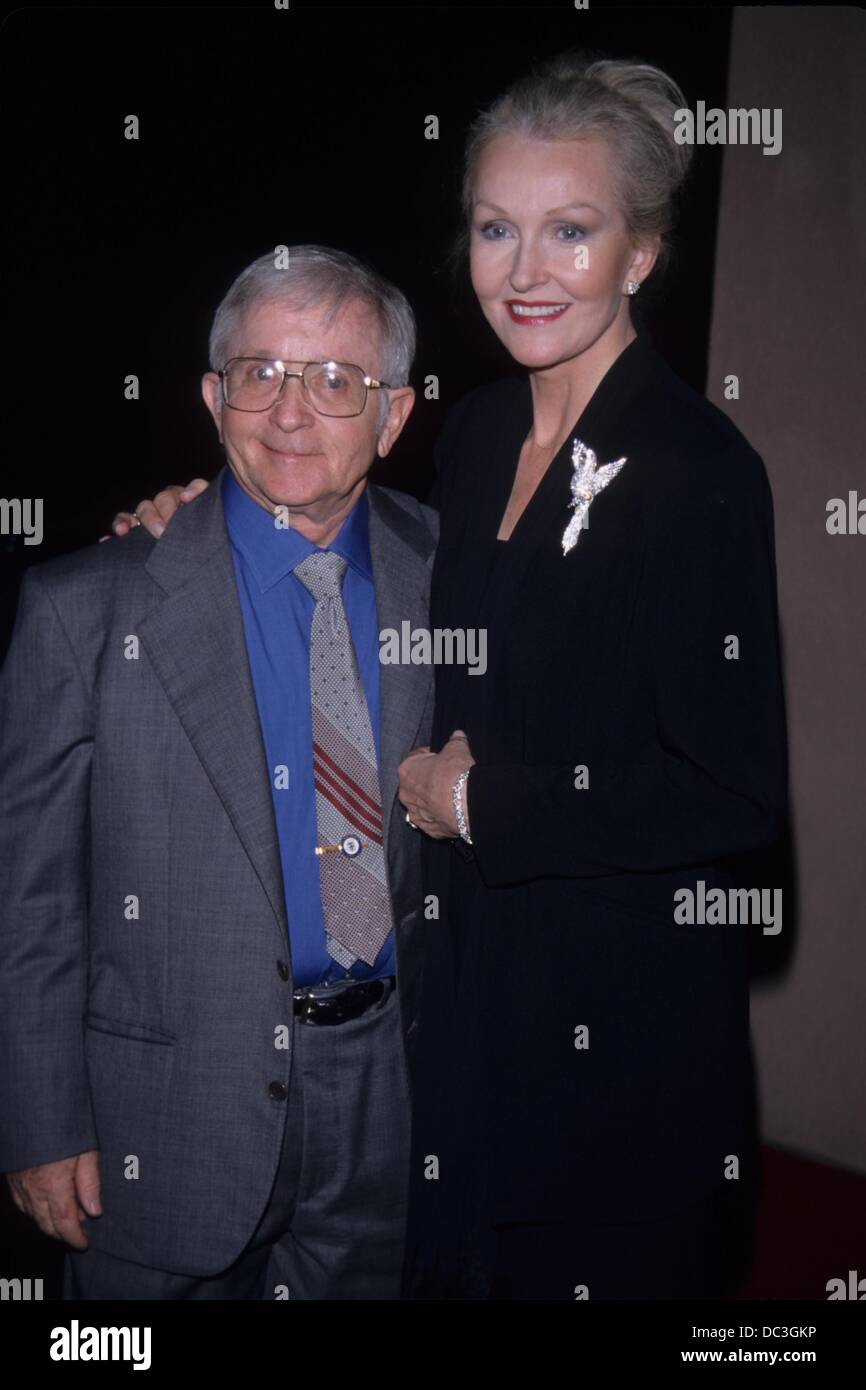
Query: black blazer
(612,657)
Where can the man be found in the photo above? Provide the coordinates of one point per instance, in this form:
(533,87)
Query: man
(207,885)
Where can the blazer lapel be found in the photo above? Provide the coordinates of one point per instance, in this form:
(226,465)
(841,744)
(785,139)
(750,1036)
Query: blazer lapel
(402,554)
(548,512)
(195,641)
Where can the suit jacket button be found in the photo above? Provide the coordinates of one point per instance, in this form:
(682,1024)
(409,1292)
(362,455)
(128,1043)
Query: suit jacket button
(282,970)
(277,1091)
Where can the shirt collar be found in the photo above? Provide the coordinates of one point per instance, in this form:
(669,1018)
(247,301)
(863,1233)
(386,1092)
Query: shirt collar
(273,551)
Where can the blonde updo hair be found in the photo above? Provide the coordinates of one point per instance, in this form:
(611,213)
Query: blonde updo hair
(628,103)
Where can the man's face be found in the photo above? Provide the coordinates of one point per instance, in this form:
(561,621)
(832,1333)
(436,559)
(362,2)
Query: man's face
(290,455)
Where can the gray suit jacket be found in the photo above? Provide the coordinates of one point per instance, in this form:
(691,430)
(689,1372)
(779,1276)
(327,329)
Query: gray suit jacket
(144,958)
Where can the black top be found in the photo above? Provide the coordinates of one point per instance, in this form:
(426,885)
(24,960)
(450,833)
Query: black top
(616,657)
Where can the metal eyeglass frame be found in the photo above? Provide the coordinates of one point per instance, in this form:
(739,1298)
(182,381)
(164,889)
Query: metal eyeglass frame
(370,384)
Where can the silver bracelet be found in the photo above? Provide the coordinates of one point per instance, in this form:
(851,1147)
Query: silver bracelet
(456,794)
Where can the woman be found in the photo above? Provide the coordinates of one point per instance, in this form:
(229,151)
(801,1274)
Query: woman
(582,1092)
(582,1095)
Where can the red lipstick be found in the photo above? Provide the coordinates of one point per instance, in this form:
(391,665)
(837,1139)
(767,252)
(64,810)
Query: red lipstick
(535,311)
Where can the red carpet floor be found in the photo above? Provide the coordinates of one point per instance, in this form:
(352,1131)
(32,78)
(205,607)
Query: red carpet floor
(811,1227)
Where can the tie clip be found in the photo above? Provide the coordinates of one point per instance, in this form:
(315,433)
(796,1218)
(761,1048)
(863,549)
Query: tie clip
(350,845)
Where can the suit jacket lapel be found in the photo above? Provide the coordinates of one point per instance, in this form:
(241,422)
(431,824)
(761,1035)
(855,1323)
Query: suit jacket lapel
(402,554)
(195,642)
(463,575)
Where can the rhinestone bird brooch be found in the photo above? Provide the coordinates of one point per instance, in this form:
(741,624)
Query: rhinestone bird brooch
(587,482)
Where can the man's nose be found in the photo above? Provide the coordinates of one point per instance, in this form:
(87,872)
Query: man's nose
(292,407)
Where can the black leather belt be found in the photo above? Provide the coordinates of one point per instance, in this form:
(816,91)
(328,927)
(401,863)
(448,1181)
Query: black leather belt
(327,1004)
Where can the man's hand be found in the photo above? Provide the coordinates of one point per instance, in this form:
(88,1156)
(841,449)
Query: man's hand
(59,1195)
(425,783)
(154,516)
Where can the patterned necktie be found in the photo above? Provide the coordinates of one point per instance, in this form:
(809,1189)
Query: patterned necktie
(355,899)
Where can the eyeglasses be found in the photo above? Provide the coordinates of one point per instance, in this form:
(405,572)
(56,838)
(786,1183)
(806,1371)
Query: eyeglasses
(332,388)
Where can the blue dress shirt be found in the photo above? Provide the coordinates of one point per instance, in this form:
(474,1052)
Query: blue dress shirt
(278,614)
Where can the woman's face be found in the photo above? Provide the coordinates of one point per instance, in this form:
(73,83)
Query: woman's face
(549,254)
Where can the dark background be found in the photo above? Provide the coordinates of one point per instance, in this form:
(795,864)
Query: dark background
(258,127)
(263,127)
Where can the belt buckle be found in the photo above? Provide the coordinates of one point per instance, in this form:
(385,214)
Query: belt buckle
(315,996)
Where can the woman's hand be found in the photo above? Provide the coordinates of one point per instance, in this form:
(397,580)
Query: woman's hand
(425,781)
(155,515)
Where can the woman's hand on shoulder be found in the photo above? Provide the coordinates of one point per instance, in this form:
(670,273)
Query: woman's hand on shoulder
(155,514)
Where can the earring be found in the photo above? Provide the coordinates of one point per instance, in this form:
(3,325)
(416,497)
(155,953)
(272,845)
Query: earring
(633,286)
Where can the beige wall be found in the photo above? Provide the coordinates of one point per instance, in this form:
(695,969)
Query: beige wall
(788,318)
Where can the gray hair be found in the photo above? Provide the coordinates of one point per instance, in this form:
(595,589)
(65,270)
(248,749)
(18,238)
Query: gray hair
(321,275)
(626,102)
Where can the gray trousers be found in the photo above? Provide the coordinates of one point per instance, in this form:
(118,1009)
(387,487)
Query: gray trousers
(334,1225)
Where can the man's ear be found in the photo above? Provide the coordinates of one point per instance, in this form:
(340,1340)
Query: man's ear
(212,395)
(400,405)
